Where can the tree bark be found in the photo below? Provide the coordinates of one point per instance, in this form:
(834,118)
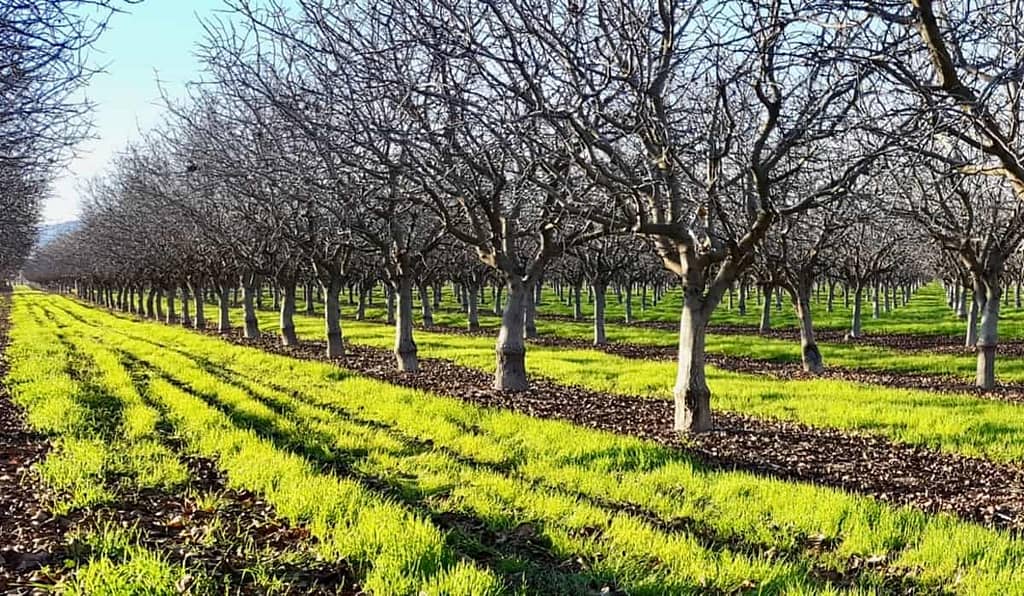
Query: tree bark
(186,317)
(971,337)
(223,309)
(530,317)
(628,317)
(425,310)
(172,317)
(577,302)
(988,336)
(742,305)
(332,318)
(198,301)
(510,373)
(1017,295)
(830,299)
(150,303)
(252,324)
(600,289)
(389,304)
(961,303)
(307,294)
(159,304)
(498,289)
(766,312)
(287,313)
(405,345)
(810,354)
(858,306)
(473,316)
(361,304)
(691,394)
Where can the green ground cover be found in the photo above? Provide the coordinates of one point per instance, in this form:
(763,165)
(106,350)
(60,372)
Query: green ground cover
(410,486)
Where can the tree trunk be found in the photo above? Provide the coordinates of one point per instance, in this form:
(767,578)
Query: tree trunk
(497,299)
(971,337)
(742,305)
(988,336)
(150,303)
(858,305)
(691,394)
(172,316)
(530,316)
(628,318)
(223,309)
(830,298)
(252,325)
(577,302)
(437,295)
(473,316)
(186,317)
(361,304)
(426,312)
(159,303)
(510,373)
(766,312)
(389,304)
(287,313)
(810,355)
(307,294)
(961,303)
(643,297)
(198,295)
(600,338)
(405,345)
(332,318)
(1017,295)
(876,305)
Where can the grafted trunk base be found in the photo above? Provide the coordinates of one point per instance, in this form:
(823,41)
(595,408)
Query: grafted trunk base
(407,362)
(812,360)
(986,373)
(693,410)
(510,375)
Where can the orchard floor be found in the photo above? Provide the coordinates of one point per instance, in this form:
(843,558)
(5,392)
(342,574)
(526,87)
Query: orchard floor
(494,506)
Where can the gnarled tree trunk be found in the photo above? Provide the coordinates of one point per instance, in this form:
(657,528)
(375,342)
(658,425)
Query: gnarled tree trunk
(510,374)
(691,393)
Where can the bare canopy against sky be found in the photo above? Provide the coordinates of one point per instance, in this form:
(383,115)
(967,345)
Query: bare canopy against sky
(147,42)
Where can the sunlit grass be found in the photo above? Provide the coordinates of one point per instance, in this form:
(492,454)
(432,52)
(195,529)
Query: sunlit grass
(274,423)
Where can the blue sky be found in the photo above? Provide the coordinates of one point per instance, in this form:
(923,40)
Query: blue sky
(154,38)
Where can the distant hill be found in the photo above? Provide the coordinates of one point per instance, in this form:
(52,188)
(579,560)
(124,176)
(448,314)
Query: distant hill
(50,232)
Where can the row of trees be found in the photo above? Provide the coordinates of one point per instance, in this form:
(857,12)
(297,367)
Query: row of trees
(782,142)
(43,113)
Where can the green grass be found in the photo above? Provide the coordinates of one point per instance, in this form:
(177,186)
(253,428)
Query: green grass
(328,447)
(926,313)
(954,423)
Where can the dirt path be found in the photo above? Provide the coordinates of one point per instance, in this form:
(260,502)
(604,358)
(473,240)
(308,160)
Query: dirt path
(972,488)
